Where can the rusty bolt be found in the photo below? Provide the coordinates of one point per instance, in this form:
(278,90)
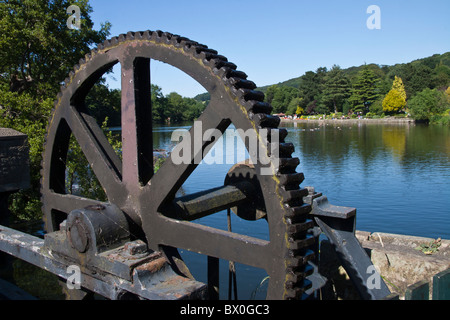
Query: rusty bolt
(135,247)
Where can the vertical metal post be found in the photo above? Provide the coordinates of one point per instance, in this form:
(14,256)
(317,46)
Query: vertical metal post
(213,278)
(418,291)
(441,285)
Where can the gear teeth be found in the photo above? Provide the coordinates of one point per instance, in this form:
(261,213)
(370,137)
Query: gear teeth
(222,67)
(296,230)
(280,133)
(259,107)
(266,120)
(297,214)
(296,245)
(281,150)
(295,277)
(156,35)
(294,197)
(143,35)
(206,50)
(296,292)
(237,74)
(291,181)
(287,165)
(247,95)
(299,262)
(241,83)
(122,37)
(179,41)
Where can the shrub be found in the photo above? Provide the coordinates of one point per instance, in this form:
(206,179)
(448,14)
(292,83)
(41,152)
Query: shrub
(428,104)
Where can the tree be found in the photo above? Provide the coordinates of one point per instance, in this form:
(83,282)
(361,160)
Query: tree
(415,76)
(37,51)
(270,93)
(294,106)
(428,104)
(280,97)
(28,115)
(311,85)
(103,103)
(395,100)
(398,85)
(364,91)
(335,89)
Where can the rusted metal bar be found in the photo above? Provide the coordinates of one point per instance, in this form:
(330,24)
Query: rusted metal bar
(204,203)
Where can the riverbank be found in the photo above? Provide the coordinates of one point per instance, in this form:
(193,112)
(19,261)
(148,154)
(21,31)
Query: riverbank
(388,120)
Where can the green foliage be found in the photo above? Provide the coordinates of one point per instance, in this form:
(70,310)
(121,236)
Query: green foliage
(365,91)
(294,106)
(336,89)
(280,97)
(416,77)
(103,103)
(393,102)
(399,87)
(430,247)
(376,108)
(324,91)
(428,105)
(173,107)
(28,115)
(37,51)
(80,179)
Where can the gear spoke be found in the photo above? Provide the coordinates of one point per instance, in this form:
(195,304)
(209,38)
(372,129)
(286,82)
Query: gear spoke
(94,150)
(214,242)
(68,202)
(137,138)
(172,174)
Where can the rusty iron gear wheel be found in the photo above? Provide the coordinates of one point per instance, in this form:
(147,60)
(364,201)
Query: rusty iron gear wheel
(145,196)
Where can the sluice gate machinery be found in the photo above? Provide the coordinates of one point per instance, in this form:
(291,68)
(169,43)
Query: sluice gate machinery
(129,246)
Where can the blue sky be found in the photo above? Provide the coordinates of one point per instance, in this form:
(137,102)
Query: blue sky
(276,40)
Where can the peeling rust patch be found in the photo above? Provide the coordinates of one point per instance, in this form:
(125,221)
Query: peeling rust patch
(153,266)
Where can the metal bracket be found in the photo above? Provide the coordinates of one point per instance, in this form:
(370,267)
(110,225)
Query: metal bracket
(338,224)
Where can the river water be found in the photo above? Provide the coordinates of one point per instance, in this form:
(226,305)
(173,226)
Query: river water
(397,176)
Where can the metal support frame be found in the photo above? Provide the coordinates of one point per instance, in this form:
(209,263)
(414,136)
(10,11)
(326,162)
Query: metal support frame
(338,224)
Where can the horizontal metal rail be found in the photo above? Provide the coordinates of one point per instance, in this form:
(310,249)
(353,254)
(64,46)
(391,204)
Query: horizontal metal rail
(146,272)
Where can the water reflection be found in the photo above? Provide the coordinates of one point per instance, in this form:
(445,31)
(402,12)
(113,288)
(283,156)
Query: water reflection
(397,176)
